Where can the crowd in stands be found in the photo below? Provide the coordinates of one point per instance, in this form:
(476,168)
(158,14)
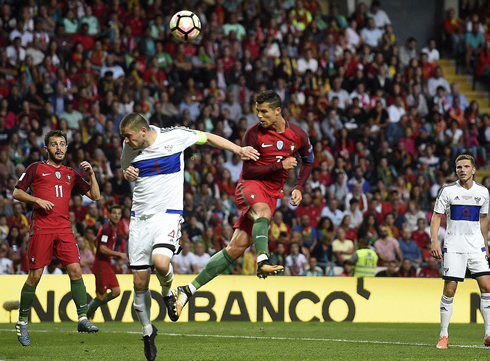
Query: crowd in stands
(385,124)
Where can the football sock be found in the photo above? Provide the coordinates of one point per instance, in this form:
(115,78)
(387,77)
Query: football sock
(96,303)
(446,309)
(142,300)
(216,264)
(79,295)
(26,298)
(485,311)
(260,231)
(166,281)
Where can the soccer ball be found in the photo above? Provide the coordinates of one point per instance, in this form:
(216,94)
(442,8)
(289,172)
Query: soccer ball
(185,25)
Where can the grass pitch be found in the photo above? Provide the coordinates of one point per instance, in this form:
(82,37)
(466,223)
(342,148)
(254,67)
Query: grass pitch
(247,341)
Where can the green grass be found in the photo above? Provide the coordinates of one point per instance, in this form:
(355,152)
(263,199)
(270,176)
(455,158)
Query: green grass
(247,341)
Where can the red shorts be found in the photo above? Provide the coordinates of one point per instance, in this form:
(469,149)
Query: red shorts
(105,278)
(248,193)
(42,246)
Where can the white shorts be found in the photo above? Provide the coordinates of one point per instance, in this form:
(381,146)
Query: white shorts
(454,265)
(155,234)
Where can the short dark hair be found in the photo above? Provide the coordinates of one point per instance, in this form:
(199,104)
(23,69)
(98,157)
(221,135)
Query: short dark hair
(134,121)
(270,97)
(115,206)
(54,134)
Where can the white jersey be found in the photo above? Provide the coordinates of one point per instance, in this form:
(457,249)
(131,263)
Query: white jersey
(160,183)
(463,208)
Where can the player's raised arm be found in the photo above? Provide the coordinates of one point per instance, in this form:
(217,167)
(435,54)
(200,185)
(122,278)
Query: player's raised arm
(94,192)
(245,153)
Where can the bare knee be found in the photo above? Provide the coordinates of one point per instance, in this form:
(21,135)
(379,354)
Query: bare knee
(141,282)
(74,271)
(450,293)
(34,277)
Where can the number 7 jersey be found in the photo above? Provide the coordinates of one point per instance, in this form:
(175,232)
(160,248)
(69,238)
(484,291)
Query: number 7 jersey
(55,185)
(463,208)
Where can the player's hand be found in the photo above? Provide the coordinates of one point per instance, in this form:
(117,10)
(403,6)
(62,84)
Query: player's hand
(296,197)
(435,250)
(46,205)
(289,163)
(87,167)
(132,173)
(124,257)
(249,153)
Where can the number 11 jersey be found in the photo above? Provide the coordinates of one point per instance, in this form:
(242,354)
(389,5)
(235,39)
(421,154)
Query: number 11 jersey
(55,185)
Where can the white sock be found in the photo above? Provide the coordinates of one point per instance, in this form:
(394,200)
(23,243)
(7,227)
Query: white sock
(485,311)
(446,309)
(22,323)
(82,318)
(166,281)
(262,257)
(141,304)
(192,288)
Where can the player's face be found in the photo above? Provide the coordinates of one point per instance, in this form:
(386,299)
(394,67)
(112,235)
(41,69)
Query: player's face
(133,138)
(115,215)
(267,115)
(465,170)
(56,149)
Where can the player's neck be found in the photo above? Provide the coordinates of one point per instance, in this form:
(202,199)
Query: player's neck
(150,139)
(280,125)
(467,185)
(54,164)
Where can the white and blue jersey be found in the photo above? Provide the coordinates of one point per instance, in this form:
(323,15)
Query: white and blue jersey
(159,186)
(463,208)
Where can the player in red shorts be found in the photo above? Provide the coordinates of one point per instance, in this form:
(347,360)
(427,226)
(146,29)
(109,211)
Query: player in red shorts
(105,278)
(50,184)
(257,191)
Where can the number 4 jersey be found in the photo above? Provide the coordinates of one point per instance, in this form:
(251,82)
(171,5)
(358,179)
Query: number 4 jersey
(463,208)
(55,185)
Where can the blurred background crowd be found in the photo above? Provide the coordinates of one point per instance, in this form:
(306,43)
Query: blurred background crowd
(385,123)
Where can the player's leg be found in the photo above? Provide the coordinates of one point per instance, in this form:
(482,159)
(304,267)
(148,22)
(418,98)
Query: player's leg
(26,298)
(40,253)
(480,270)
(102,299)
(142,305)
(219,262)
(165,274)
(454,269)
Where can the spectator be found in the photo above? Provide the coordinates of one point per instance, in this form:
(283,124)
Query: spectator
(431,270)
(436,81)
(200,257)
(409,249)
(386,247)
(296,262)
(408,52)
(474,40)
(454,93)
(431,51)
(185,262)
(6,264)
(380,17)
(313,270)
(371,35)
(279,255)
(332,212)
(308,232)
(355,213)
(390,271)
(86,256)
(342,248)
(364,260)
(406,269)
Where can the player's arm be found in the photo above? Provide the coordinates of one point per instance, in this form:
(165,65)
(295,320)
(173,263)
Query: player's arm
(306,153)
(103,249)
(130,173)
(25,181)
(435,223)
(245,153)
(94,192)
(484,229)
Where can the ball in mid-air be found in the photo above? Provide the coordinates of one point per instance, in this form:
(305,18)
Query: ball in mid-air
(185,25)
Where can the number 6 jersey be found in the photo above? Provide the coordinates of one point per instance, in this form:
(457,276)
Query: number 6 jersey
(463,208)
(55,185)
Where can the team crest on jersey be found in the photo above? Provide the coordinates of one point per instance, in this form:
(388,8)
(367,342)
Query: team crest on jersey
(58,175)
(477,200)
(33,259)
(169,148)
(292,148)
(280,144)
(68,177)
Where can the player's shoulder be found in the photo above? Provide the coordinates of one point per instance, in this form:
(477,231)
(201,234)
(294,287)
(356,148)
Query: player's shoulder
(297,130)
(481,187)
(175,130)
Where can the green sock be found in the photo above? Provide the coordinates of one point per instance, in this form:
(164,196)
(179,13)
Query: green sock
(260,231)
(96,303)
(26,298)
(216,264)
(79,295)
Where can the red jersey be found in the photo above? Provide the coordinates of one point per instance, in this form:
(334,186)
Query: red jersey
(274,148)
(106,236)
(55,185)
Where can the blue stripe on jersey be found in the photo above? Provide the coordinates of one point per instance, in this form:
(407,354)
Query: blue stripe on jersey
(465,213)
(161,165)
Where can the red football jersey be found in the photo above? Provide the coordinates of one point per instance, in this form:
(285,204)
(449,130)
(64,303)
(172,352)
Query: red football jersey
(274,148)
(55,185)
(107,236)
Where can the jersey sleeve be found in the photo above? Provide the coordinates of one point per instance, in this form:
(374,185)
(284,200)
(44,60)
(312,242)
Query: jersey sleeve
(185,137)
(104,236)
(305,151)
(80,184)
(251,170)
(441,201)
(484,207)
(27,178)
